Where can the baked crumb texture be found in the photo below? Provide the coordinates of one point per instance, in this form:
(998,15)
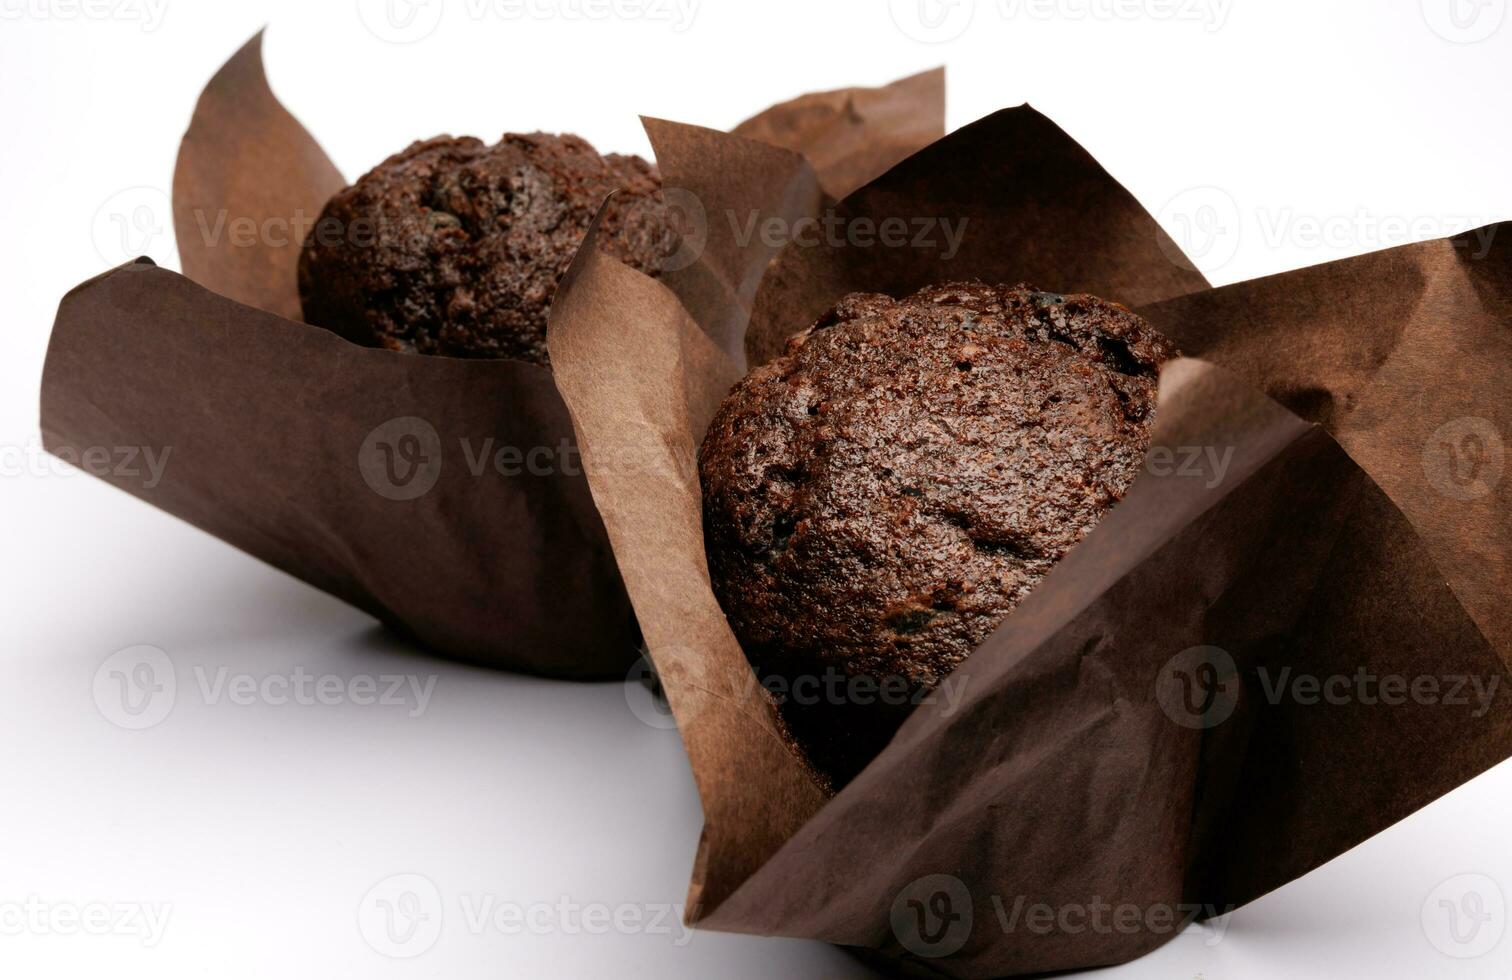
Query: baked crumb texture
(455,247)
(878,498)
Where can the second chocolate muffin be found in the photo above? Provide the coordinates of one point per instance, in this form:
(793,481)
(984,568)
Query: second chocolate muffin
(455,247)
(880,497)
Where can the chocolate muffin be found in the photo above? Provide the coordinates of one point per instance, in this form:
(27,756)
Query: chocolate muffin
(455,247)
(878,498)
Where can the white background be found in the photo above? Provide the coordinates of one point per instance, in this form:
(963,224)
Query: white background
(1278,134)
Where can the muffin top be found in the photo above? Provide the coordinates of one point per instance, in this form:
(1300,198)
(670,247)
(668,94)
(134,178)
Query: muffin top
(878,498)
(455,247)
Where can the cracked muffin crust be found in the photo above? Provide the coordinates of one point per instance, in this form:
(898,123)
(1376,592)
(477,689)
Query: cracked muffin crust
(455,247)
(878,498)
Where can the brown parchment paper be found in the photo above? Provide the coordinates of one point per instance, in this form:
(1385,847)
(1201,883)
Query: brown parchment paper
(443,496)
(785,165)
(273,430)
(1069,774)
(854,135)
(244,156)
(1405,356)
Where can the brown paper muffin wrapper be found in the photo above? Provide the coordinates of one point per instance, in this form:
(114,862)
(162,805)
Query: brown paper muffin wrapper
(443,496)
(1151,737)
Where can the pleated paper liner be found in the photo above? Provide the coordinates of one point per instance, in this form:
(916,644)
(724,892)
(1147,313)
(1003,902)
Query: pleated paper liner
(443,496)
(1126,740)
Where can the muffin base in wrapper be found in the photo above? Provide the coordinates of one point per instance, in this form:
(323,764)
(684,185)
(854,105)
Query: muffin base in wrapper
(373,475)
(1118,741)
